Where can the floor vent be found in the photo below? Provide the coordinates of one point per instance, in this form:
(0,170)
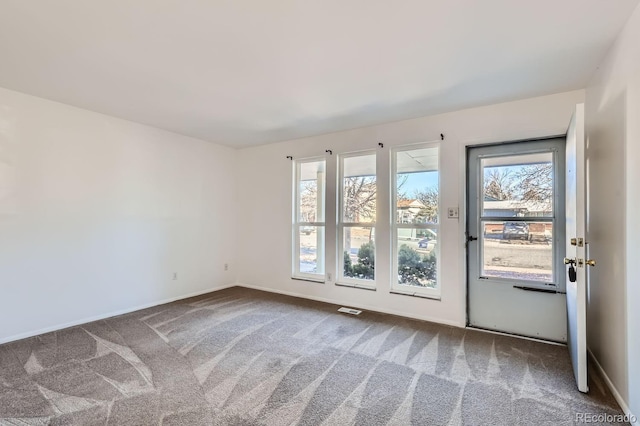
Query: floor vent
(349,311)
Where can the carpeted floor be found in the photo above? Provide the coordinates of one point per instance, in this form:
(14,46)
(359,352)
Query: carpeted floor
(243,357)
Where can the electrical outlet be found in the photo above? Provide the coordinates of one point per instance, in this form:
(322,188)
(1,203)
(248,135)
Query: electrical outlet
(329,276)
(175,276)
(226,266)
(452,213)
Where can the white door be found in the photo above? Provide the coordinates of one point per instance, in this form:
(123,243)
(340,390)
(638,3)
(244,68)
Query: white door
(577,247)
(516,233)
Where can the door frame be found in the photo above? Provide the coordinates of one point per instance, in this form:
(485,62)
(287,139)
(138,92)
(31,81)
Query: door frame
(558,250)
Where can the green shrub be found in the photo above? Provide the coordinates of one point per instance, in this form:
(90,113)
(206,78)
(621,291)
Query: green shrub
(416,270)
(348,267)
(365,267)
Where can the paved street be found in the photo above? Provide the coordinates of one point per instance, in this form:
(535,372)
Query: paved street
(518,259)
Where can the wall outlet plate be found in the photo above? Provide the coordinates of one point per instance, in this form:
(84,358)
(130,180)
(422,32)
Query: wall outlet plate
(452,213)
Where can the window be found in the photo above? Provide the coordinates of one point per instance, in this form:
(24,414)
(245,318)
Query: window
(406,190)
(415,197)
(309,220)
(356,220)
(518,218)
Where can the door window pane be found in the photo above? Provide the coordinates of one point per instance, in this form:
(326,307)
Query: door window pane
(518,251)
(417,186)
(518,185)
(359,189)
(359,252)
(416,257)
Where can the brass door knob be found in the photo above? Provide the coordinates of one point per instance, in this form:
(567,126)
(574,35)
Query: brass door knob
(590,262)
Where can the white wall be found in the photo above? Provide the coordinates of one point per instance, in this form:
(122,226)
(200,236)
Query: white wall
(97,213)
(633,250)
(265,201)
(612,115)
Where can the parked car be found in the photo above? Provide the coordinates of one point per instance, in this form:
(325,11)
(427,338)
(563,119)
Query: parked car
(515,231)
(427,244)
(428,240)
(424,243)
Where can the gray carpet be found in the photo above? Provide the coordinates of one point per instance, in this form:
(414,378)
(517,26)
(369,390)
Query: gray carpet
(243,357)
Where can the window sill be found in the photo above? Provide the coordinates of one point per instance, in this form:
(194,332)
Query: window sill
(309,279)
(360,286)
(416,294)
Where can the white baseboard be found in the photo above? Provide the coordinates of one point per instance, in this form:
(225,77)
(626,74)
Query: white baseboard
(351,305)
(108,315)
(610,385)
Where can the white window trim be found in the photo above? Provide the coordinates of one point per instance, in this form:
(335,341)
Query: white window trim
(296,225)
(396,287)
(341,280)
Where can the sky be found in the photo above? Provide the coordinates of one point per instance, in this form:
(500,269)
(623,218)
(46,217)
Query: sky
(419,181)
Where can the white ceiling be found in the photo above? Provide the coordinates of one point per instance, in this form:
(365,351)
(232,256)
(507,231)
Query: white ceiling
(246,72)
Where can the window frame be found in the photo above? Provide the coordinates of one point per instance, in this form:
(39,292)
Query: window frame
(557,282)
(341,224)
(396,287)
(297,224)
